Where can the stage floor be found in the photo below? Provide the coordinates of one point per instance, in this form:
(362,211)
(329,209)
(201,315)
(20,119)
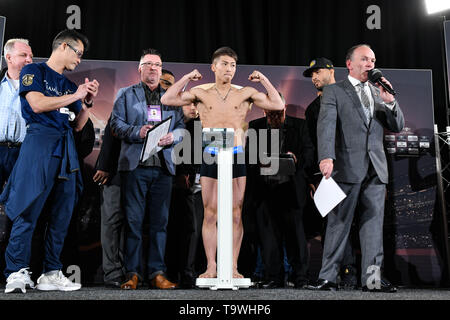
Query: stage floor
(94,293)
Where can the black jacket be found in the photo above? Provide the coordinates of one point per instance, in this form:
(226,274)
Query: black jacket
(109,152)
(312,115)
(297,141)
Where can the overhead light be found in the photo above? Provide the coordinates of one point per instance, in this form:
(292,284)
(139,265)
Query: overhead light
(434,6)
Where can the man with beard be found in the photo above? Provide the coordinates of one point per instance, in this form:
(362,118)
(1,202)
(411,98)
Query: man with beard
(167,79)
(321,72)
(281,197)
(184,229)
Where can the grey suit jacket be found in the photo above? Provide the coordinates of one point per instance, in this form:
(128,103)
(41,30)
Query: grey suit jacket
(343,134)
(129,115)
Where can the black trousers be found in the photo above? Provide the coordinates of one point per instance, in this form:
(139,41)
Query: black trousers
(184,234)
(279,218)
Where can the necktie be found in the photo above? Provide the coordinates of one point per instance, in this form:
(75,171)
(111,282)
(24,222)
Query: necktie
(365,102)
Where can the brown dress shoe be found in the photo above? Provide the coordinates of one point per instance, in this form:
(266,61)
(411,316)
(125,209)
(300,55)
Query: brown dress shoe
(131,284)
(160,282)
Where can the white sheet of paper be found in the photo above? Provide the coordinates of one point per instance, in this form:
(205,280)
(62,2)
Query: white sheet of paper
(151,147)
(328,195)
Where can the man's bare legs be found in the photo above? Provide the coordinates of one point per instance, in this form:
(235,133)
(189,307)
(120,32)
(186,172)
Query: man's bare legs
(209,229)
(238,229)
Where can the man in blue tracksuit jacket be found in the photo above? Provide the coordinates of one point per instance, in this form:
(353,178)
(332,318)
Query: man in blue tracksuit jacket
(47,169)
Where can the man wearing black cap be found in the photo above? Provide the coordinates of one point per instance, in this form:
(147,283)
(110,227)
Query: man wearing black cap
(321,72)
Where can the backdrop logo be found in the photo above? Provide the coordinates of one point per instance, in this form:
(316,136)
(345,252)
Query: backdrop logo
(374,20)
(74,20)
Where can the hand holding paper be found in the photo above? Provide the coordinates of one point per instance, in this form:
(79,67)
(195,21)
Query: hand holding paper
(326,167)
(328,195)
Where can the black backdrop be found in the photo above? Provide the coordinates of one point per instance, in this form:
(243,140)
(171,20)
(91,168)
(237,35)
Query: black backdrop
(281,32)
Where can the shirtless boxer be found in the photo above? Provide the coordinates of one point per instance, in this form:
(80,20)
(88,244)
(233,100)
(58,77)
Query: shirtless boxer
(223,106)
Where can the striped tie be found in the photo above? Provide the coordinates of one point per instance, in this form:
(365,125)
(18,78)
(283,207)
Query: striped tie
(365,102)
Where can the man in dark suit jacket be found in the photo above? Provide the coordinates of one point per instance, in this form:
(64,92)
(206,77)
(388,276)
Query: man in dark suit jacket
(184,250)
(280,198)
(112,231)
(350,130)
(321,72)
(146,186)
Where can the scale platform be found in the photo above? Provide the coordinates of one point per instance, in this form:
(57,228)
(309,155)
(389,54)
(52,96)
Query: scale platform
(216,283)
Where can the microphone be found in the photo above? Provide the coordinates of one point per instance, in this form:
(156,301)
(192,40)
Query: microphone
(375,77)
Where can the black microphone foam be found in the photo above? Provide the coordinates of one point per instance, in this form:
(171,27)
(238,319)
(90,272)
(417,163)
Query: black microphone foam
(375,77)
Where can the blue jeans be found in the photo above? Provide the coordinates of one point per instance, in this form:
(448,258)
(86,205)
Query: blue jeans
(146,190)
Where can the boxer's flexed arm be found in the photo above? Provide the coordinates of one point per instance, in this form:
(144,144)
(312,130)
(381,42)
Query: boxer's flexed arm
(269,101)
(174,96)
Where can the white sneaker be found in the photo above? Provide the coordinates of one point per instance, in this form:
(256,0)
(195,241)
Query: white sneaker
(19,281)
(55,280)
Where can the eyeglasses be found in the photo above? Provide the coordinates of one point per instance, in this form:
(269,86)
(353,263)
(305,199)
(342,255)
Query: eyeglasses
(78,52)
(151,64)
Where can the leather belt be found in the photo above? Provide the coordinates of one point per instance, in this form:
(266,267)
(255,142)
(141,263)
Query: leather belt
(10,144)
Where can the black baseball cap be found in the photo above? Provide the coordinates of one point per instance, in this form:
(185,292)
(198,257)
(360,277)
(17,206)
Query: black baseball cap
(318,63)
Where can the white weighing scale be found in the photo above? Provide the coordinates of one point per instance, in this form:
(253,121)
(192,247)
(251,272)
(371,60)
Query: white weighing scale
(222,140)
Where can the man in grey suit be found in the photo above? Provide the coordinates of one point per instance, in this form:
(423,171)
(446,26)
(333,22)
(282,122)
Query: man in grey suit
(145,186)
(353,115)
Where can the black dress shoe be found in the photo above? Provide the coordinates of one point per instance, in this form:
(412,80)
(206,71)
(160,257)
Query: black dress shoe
(323,285)
(385,286)
(257,284)
(301,284)
(271,284)
(187,284)
(348,278)
(114,283)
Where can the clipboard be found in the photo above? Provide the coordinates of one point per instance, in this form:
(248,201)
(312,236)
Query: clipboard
(152,138)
